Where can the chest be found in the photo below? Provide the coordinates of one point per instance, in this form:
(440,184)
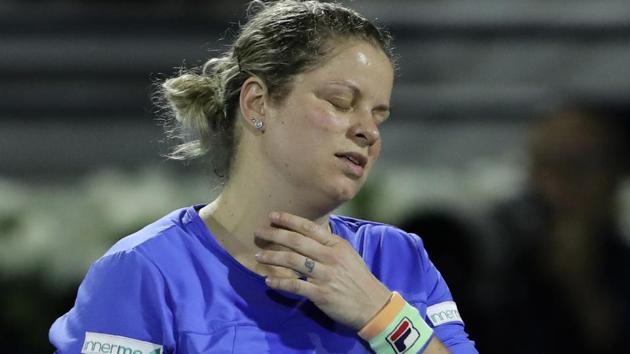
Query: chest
(230,311)
(266,322)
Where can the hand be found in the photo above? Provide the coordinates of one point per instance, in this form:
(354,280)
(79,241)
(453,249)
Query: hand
(338,281)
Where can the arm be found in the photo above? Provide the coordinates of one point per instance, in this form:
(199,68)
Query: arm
(338,282)
(442,313)
(436,347)
(121,303)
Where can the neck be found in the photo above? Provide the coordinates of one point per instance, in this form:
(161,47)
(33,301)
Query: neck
(244,206)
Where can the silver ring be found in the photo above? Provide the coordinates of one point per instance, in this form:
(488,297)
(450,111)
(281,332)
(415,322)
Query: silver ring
(309,264)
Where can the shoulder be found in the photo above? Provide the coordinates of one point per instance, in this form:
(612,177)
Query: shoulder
(391,253)
(156,240)
(367,235)
(124,293)
(358,228)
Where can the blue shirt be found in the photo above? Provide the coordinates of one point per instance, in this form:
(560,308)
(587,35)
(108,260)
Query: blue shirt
(172,285)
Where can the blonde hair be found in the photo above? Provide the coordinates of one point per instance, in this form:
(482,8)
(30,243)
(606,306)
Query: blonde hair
(280,40)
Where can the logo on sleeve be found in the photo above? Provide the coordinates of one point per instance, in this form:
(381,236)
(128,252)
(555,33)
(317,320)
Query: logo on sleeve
(404,336)
(444,312)
(101,343)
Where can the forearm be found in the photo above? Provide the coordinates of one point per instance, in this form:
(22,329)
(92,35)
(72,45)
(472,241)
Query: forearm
(435,347)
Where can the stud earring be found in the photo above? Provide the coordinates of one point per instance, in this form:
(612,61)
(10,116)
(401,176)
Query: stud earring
(258,124)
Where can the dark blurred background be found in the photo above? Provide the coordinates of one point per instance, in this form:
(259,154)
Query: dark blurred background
(507,152)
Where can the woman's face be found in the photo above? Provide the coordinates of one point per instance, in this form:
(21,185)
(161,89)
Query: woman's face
(323,138)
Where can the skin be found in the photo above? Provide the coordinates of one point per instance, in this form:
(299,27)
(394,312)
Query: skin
(287,179)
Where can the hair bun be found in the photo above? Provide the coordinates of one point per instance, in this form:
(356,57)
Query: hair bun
(195,99)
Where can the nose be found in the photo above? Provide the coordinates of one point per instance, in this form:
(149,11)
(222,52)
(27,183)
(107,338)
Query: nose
(365,132)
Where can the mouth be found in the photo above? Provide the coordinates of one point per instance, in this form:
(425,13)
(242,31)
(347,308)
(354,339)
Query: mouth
(354,158)
(354,163)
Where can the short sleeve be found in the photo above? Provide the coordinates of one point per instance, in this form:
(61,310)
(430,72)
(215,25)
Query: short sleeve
(442,313)
(122,301)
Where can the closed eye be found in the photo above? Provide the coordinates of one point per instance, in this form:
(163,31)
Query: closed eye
(340,104)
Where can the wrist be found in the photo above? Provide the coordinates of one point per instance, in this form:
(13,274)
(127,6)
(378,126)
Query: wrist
(378,304)
(397,328)
(380,320)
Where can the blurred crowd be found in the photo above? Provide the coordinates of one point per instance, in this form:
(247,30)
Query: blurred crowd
(560,281)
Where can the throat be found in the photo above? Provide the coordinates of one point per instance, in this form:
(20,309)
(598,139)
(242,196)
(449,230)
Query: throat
(244,252)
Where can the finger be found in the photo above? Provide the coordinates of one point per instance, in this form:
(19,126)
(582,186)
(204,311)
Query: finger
(292,240)
(303,226)
(295,286)
(291,260)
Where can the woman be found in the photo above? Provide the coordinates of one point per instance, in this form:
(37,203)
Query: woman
(291,114)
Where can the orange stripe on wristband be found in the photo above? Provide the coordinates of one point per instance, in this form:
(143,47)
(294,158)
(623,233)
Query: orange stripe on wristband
(383,318)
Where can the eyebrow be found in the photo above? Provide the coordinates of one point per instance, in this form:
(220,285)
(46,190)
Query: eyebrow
(357,91)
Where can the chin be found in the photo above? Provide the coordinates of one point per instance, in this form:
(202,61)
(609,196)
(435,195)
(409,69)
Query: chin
(345,190)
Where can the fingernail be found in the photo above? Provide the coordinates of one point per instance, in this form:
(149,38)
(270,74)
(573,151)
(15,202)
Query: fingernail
(258,255)
(274,215)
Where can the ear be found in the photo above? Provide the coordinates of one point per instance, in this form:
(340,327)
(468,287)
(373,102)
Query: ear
(252,100)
